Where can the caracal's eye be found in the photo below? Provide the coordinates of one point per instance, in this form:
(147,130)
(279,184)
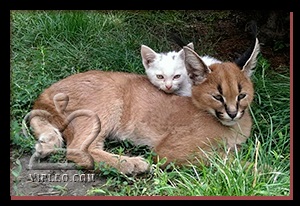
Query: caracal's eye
(219,98)
(241,96)
(177,76)
(158,76)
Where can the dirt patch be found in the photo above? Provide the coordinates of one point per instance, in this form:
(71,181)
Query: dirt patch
(225,34)
(51,182)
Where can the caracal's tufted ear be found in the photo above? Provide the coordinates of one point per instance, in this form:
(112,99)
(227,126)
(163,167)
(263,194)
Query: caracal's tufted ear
(247,61)
(196,68)
(148,55)
(251,62)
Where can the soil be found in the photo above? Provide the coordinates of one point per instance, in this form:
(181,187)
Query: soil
(229,36)
(53,182)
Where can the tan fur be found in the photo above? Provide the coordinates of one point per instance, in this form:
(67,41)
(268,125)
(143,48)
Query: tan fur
(130,107)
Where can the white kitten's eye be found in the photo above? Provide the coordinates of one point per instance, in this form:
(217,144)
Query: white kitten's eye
(158,76)
(177,76)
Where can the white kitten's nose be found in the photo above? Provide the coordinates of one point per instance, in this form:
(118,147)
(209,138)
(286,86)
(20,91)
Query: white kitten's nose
(168,87)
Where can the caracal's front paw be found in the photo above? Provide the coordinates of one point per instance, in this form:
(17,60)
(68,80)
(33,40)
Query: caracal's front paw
(83,159)
(133,165)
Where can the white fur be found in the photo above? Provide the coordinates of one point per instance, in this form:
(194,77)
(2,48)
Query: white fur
(208,60)
(168,65)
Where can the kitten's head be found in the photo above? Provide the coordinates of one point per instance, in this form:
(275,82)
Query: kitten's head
(225,90)
(165,70)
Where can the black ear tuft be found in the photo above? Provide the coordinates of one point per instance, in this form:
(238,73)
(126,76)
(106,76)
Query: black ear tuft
(241,61)
(178,40)
(174,37)
(252,28)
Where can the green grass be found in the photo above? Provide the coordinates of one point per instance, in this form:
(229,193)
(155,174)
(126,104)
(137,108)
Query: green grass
(48,46)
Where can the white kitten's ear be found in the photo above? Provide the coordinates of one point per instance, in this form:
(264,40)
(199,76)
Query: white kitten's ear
(148,55)
(181,54)
(191,45)
(196,68)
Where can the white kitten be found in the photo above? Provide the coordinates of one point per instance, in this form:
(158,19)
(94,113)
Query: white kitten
(167,70)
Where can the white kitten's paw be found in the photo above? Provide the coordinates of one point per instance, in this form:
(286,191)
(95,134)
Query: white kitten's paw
(133,165)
